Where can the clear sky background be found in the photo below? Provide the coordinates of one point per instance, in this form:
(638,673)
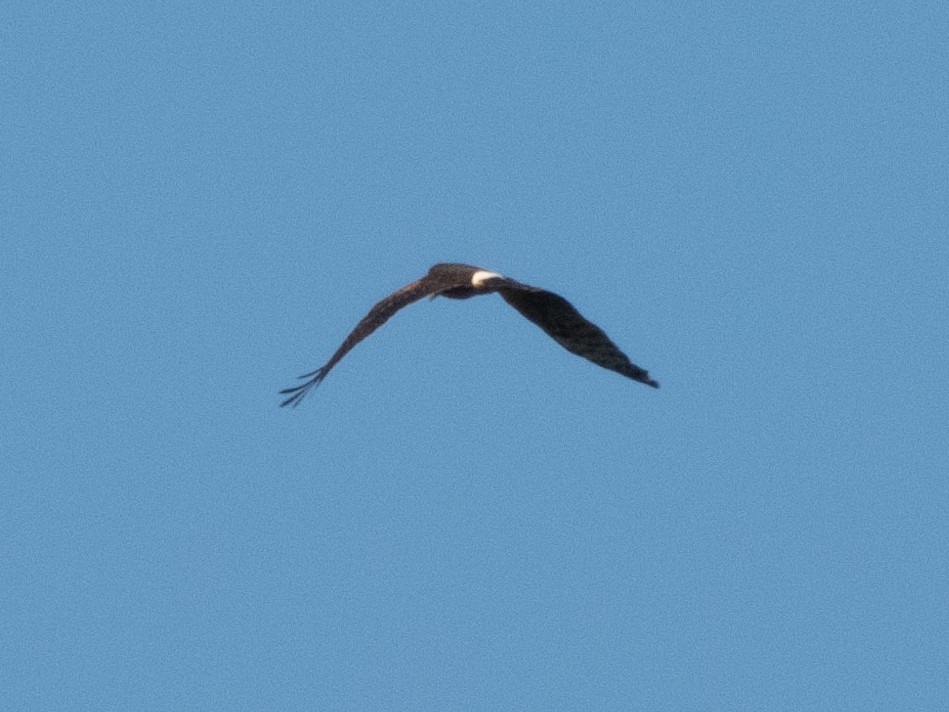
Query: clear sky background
(199,201)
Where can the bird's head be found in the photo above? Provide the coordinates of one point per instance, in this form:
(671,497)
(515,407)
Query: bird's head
(482,279)
(461,281)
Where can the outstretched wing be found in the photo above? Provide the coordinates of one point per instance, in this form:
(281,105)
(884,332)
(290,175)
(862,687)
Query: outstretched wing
(376,317)
(567,327)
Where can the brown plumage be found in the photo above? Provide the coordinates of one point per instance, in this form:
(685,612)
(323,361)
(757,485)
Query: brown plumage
(551,312)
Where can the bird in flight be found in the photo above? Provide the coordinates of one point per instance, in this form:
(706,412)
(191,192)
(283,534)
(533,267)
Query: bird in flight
(551,312)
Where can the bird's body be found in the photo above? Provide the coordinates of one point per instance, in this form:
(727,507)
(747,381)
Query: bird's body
(551,312)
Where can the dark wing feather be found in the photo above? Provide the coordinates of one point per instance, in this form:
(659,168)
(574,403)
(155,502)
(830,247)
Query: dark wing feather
(376,317)
(567,327)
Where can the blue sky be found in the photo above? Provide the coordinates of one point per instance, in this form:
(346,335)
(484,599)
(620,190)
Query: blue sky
(200,201)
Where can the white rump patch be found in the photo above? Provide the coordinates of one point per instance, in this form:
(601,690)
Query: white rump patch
(478,278)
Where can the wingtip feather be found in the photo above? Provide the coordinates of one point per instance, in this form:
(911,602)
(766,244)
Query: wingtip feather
(297,393)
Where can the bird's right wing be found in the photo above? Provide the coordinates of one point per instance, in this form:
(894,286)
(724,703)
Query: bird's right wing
(376,317)
(565,325)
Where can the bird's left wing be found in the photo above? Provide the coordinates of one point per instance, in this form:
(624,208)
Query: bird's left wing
(565,325)
(376,317)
